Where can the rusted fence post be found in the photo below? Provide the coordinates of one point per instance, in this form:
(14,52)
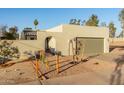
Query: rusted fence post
(44,59)
(57,63)
(37,58)
(37,66)
(47,64)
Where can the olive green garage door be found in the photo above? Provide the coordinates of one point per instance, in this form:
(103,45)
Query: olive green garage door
(89,46)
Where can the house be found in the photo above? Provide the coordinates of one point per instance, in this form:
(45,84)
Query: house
(68,40)
(74,39)
(28,34)
(2,34)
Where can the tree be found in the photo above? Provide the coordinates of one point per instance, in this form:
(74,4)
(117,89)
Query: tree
(72,21)
(83,23)
(7,51)
(36,23)
(93,21)
(103,24)
(78,22)
(13,30)
(121,19)
(75,21)
(112,30)
(12,34)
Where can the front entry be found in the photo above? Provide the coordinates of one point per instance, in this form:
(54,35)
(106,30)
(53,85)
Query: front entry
(50,45)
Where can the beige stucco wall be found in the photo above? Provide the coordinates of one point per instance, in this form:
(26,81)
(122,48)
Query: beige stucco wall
(26,45)
(116,40)
(71,31)
(62,35)
(52,43)
(55,29)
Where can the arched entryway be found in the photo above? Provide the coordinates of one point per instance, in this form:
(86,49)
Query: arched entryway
(72,47)
(50,44)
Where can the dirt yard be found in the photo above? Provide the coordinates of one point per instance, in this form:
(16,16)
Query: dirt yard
(98,70)
(19,73)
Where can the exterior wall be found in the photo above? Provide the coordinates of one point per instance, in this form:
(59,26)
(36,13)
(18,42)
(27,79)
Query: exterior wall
(42,35)
(52,43)
(1,34)
(22,36)
(55,29)
(63,35)
(116,40)
(26,45)
(72,31)
(28,35)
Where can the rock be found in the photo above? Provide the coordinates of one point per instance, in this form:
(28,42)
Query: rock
(96,63)
(17,69)
(84,60)
(7,70)
(21,73)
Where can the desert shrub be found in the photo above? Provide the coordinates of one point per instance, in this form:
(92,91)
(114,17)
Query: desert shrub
(7,51)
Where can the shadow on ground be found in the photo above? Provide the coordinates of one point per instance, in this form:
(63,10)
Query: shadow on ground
(116,76)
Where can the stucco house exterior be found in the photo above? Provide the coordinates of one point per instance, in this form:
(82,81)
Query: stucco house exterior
(2,34)
(28,34)
(87,39)
(68,39)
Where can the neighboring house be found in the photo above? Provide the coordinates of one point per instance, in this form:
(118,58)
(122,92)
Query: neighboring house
(3,31)
(2,34)
(29,34)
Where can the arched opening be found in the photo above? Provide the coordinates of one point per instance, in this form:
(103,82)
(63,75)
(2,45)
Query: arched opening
(72,47)
(50,45)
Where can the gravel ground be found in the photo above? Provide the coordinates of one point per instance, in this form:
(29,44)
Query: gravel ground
(19,73)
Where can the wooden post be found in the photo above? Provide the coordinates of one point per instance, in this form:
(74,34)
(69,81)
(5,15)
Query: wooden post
(37,66)
(73,58)
(44,59)
(57,63)
(47,64)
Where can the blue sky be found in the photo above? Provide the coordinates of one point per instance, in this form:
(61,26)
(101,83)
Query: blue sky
(50,17)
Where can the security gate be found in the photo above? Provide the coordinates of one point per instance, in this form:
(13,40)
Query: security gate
(89,46)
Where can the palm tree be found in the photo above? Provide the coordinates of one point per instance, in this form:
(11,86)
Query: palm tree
(121,19)
(36,23)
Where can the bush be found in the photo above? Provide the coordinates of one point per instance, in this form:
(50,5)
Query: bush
(7,51)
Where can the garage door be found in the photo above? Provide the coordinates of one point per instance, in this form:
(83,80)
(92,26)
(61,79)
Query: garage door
(90,45)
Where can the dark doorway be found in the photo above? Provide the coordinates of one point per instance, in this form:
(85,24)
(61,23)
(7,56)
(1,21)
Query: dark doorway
(50,45)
